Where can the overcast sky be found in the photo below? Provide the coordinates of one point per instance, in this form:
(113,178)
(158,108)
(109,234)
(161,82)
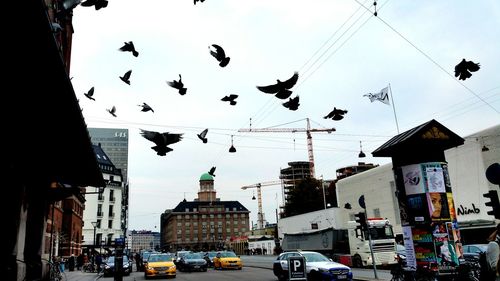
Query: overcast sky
(341,52)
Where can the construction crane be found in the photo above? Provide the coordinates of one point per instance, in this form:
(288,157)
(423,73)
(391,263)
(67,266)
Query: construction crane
(260,215)
(308,131)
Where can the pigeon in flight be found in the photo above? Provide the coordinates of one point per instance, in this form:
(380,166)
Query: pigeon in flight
(162,140)
(90,94)
(220,55)
(464,68)
(292,103)
(231,99)
(203,136)
(281,89)
(146,107)
(336,114)
(126,77)
(98,4)
(112,111)
(212,171)
(129,47)
(178,85)
(198,1)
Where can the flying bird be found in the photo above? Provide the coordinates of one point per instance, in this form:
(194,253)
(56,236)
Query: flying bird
(126,77)
(292,103)
(336,114)
(90,94)
(281,89)
(178,85)
(464,68)
(198,1)
(98,4)
(129,47)
(220,55)
(212,171)
(203,136)
(162,140)
(146,107)
(112,111)
(231,99)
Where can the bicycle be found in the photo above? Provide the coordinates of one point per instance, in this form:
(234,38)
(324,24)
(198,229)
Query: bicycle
(55,273)
(89,267)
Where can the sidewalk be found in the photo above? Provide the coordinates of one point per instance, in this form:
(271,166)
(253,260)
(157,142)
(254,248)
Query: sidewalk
(78,275)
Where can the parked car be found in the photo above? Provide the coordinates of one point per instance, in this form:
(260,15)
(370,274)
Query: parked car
(318,267)
(227,259)
(160,265)
(192,262)
(109,266)
(179,255)
(209,257)
(472,251)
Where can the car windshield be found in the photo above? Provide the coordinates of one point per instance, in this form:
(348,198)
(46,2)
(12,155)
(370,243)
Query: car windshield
(228,255)
(192,256)
(111,259)
(315,257)
(159,258)
(212,254)
(381,233)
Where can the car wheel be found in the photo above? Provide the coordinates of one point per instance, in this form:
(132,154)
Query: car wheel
(357,262)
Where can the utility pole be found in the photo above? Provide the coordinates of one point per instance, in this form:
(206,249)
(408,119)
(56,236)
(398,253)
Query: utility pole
(362,203)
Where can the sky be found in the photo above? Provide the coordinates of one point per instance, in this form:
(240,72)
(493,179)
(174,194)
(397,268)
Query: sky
(340,49)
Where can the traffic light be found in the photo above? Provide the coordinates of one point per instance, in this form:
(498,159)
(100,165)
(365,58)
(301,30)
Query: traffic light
(361,220)
(493,203)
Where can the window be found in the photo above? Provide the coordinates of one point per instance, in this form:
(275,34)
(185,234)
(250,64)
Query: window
(98,223)
(179,217)
(110,223)
(111,195)
(376,212)
(186,210)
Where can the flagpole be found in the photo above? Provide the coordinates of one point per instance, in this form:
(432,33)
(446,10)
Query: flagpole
(394,108)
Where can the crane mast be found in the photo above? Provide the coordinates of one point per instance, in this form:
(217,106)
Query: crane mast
(260,215)
(308,132)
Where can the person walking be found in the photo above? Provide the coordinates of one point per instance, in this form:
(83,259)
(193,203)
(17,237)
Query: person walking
(493,255)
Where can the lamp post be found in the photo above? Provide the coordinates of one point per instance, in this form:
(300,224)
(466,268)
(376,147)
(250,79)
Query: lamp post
(94,224)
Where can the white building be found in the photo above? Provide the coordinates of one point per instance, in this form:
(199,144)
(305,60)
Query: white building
(105,213)
(467,165)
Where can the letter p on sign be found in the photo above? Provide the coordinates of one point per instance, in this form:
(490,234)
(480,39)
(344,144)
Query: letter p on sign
(296,265)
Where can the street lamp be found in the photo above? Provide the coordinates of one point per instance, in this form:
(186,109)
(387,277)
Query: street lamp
(94,224)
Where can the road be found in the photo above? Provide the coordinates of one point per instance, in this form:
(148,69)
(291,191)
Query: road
(255,268)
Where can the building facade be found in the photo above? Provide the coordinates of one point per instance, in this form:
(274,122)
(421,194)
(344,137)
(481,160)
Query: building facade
(206,223)
(106,210)
(143,240)
(467,164)
(115,143)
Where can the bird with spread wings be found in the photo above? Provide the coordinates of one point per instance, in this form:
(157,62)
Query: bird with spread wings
(281,89)
(220,55)
(161,140)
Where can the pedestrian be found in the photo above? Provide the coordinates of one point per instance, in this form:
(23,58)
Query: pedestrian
(493,255)
(138,261)
(79,262)
(71,263)
(98,262)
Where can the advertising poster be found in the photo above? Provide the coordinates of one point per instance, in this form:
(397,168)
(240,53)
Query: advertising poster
(438,206)
(418,209)
(423,246)
(411,262)
(413,180)
(446,176)
(451,206)
(434,179)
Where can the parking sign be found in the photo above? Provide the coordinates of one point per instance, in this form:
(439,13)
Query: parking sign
(297,268)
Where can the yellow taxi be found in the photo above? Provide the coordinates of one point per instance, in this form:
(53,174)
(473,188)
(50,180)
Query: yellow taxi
(160,265)
(227,259)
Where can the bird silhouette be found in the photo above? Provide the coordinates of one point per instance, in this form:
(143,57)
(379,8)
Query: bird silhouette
(162,140)
(112,111)
(281,89)
(231,99)
(90,94)
(129,47)
(198,1)
(464,68)
(178,85)
(292,103)
(146,107)
(203,136)
(126,77)
(336,114)
(212,171)
(98,4)
(220,55)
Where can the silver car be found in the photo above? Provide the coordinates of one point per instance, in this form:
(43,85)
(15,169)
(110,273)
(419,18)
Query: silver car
(318,267)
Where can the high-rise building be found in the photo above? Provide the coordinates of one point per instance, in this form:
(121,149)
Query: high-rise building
(114,142)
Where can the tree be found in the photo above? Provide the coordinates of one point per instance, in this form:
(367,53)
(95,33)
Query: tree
(305,197)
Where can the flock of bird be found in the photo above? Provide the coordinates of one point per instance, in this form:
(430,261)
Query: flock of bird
(282,90)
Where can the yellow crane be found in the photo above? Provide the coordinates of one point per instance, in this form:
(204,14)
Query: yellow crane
(308,130)
(260,215)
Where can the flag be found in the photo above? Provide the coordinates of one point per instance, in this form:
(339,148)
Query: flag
(382,96)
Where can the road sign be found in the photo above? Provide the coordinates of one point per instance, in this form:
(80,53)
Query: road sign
(297,268)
